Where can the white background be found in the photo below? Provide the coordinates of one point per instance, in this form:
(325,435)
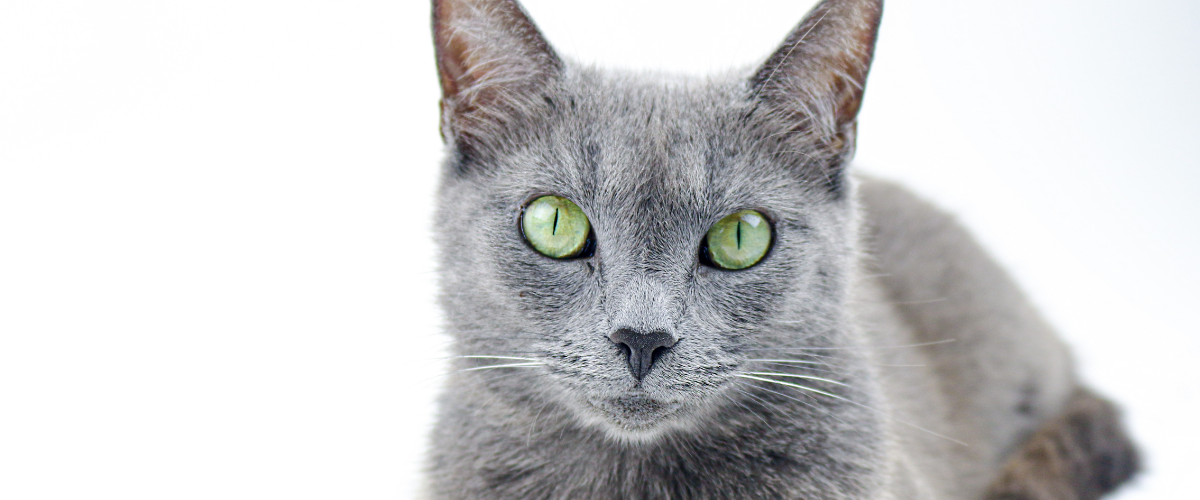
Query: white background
(216,272)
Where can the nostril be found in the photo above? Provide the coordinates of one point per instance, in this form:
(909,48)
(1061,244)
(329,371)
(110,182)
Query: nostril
(625,352)
(657,354)
(642,349)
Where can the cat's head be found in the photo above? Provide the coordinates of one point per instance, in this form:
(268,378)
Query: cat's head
(630,245)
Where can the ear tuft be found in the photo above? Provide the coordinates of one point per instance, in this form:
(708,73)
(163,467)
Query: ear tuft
(492,61)
(819,73)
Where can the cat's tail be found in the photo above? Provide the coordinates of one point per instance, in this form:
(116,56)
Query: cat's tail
(1082,454)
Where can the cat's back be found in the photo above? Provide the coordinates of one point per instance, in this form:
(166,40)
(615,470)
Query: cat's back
(989,345)
(984,368)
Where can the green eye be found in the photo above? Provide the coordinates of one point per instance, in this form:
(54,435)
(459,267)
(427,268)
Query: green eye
(739,240)
(556,227)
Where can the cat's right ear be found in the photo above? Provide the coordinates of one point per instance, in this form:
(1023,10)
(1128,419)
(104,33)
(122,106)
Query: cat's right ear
(814,82)
(492,61)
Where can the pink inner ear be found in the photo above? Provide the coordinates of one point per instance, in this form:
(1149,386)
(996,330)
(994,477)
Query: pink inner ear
(451,50)
(489,56)
(452,70)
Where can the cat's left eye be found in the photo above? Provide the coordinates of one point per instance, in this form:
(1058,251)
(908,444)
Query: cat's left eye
(738,241)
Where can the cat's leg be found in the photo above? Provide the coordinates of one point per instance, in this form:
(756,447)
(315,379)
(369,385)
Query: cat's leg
(1081,454)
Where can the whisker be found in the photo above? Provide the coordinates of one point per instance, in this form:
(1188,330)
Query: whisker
(512,365)
(533,425)
(448,373)
(486,333)
(922,344)
(787,361)
(826,411)
(834,396)
(477,356)
(511,351)
(827,369)
(797,386)
(830,362)
(805,377)
(752,412)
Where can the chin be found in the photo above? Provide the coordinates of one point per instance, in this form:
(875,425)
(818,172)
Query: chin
(636,418)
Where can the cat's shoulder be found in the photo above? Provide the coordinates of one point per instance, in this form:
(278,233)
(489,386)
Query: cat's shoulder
(893,215)
(926,250)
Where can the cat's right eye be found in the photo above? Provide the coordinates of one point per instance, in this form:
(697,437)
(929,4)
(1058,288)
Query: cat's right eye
(556,227)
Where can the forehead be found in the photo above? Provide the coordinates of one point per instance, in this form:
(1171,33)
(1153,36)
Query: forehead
(682,146)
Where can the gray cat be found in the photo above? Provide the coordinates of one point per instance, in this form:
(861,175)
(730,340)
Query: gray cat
(670,288)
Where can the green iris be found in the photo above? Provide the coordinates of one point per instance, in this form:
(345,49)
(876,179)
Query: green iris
(556,227)
(739,240)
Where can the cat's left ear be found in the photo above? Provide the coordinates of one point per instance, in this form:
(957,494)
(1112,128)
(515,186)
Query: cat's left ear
(492,61)
(818,75)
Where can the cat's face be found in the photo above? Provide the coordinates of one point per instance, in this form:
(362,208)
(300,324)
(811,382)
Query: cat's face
(641,331)
(653,171)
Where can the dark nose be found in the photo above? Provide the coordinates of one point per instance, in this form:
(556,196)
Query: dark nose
(643,348)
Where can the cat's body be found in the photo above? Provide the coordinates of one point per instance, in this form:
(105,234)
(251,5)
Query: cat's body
(875,352)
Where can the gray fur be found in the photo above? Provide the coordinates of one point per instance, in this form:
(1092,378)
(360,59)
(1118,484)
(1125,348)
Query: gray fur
(931,366)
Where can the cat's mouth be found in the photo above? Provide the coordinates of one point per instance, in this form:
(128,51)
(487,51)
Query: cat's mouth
(636,412)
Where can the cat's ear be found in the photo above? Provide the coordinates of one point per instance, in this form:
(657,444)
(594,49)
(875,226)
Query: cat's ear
(492,62)
(818,75)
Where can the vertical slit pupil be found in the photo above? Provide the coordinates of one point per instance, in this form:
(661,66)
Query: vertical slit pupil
(554,231)
(739,235)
